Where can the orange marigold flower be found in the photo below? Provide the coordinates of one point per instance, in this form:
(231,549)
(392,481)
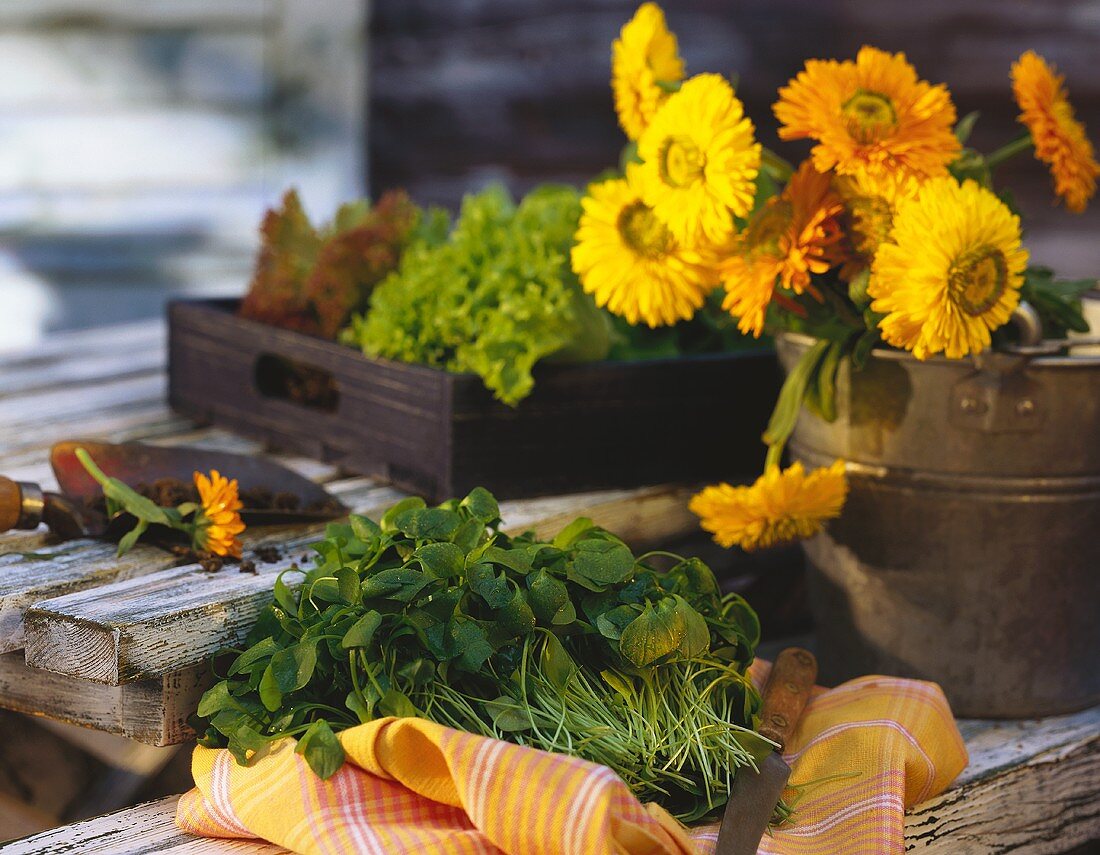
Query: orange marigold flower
(782,505)
(869,208)
(792,236)
(1059,138)
(217,521)
(871,115)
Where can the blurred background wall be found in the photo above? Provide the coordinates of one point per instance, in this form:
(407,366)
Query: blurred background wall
(140,140)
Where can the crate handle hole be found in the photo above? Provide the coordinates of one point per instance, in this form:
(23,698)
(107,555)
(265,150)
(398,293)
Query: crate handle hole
(297,382)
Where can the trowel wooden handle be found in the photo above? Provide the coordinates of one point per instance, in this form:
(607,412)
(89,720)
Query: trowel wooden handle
(785,695)
(21,505)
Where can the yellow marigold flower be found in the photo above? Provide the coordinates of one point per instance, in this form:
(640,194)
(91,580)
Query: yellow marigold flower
(793,235)
(872,115)
(630,261)
(869,208)
(645,66)
(781,506)
(951,272)
(217,521)
(1059,139)
(700,160)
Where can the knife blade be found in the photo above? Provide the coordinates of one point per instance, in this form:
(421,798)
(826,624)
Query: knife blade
(754,795)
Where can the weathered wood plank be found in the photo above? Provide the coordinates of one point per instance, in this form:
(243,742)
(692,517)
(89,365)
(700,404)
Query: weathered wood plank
(43,408)
(47,571)
(62,568)
(170,619)
(143,420)
(96,368)
(1044,802)
(1031,787)
(142,830)
(151,711)
(74,346)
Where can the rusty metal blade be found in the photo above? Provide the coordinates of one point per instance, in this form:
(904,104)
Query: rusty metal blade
(136,463)
(751,805)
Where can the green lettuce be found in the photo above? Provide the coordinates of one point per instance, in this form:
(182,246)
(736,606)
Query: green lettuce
(494,297)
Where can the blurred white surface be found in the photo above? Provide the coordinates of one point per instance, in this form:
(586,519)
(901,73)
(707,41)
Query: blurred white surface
(140,143)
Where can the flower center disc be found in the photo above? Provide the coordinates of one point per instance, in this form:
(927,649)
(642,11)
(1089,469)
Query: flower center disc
(869,116)
(643,232)
(870,221)
(768,226)
(977,279)
(681,162)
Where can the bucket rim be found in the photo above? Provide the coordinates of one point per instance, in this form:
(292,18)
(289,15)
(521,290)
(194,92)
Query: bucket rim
(1077,361)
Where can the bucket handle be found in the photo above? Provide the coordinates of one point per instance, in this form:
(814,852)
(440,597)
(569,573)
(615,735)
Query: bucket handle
(1030,326)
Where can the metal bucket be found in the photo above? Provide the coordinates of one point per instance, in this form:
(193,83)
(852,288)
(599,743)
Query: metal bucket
(969,550)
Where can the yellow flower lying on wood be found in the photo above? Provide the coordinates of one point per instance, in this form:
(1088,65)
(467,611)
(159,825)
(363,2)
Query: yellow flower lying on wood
(217,520)
(700,160)
(631,263)
(793,235)
(782,505)
(1059,138)
(952,271)
(645,68)
(872,115)
(869,208)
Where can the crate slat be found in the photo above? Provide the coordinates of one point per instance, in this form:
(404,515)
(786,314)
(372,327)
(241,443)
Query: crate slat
(584,427)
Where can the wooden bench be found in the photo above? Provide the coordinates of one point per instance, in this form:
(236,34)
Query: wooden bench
(1031,787)
(121,645)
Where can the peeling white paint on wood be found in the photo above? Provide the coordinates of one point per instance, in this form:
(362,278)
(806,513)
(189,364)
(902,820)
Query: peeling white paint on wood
(142,830)
(1032,787)
(151,711)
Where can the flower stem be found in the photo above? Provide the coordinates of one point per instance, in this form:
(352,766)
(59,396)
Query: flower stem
(90,465)
(778,168)
(1009,151)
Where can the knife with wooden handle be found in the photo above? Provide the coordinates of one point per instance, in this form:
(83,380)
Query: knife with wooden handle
(24,505)
(755,794)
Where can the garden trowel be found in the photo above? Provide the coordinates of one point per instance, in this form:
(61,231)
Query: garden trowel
(756,793)
(67,513)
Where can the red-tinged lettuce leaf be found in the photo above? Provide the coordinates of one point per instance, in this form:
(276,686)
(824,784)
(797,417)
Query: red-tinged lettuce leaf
(288,251)
(312,280)
(364,246)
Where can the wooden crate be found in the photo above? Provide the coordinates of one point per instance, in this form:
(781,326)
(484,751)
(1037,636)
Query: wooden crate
(593,426)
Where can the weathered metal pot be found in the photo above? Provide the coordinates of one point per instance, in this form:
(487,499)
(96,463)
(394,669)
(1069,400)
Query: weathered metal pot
(969,549)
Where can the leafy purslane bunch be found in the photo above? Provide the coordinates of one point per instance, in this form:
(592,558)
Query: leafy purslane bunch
(891,232)
(573,645)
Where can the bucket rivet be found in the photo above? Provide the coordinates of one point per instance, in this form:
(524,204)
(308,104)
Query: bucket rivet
(1025,407)
(972,405)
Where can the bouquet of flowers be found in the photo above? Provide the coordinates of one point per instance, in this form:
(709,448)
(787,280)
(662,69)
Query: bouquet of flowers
(891,233)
